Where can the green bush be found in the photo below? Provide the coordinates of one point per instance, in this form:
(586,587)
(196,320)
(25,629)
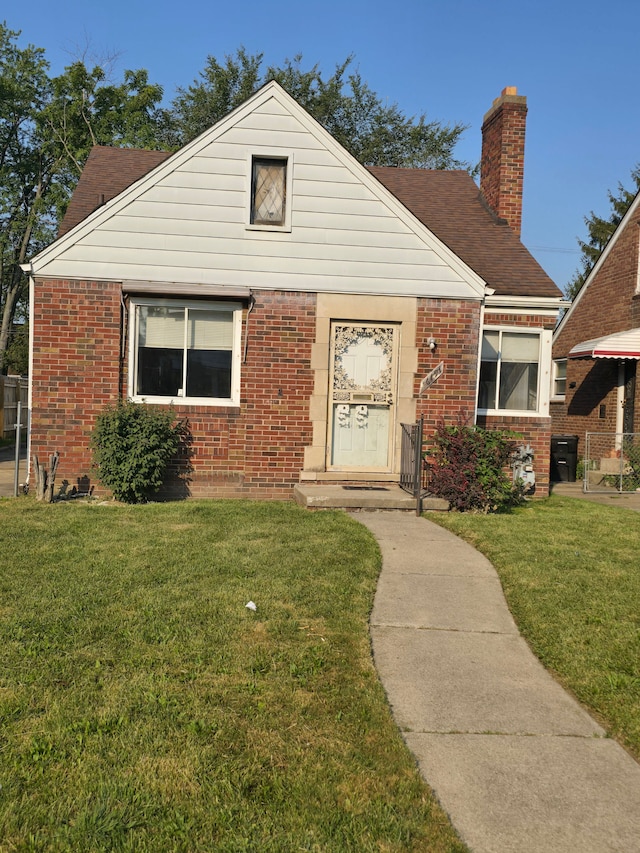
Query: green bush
(469,468)
(132,445)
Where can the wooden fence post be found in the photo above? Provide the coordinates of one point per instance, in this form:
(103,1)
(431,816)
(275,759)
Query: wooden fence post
(45,481)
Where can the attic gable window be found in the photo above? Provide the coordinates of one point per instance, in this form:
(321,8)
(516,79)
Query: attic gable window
(270,202)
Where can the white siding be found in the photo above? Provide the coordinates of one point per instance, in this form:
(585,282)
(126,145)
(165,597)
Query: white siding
(186,222)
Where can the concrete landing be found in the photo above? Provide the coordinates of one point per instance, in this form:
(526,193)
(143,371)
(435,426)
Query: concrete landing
(381,496)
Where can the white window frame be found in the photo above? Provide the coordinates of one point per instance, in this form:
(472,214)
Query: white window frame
(269,154)
(235,307)
(542,393)
(555,396)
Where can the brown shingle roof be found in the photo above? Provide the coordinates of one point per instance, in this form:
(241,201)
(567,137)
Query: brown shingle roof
(452,207)
(106,173)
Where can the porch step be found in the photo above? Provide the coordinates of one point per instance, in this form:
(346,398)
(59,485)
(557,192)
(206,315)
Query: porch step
(382,496)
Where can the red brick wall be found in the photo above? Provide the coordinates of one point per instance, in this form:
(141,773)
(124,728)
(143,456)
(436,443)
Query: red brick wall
(533,431)
(254,450)
(610,304)
(257,449)
(455,327)
(502,163)
(76,364)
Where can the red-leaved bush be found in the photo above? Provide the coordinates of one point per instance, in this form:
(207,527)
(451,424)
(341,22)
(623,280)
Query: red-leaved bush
(469,468)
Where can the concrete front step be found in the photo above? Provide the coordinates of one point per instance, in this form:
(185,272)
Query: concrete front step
(380,496)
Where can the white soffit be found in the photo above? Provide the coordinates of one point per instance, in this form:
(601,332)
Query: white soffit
(618,345)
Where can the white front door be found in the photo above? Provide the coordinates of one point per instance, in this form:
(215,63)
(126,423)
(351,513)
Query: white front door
(363,380)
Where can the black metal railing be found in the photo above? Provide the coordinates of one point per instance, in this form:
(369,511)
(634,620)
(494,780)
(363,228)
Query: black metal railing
(412,467)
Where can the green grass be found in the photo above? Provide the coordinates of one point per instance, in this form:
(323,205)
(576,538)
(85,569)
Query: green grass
(570,570)
(143,707)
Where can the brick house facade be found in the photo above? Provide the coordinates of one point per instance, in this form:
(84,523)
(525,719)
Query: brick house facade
(291,326)
(597,344)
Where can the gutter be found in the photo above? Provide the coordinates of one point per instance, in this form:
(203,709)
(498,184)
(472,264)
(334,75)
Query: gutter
(27,269)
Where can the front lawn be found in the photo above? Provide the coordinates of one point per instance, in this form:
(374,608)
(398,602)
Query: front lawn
(143,707)
(570,570)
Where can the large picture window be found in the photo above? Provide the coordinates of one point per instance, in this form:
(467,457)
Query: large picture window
(509,371)
(185,351)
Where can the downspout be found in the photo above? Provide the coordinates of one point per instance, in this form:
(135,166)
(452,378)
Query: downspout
(32,289)
(252,302)
(28,270)
(124,331)
(488,291)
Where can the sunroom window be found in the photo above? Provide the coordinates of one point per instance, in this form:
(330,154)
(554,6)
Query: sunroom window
(185,351)
(509,371)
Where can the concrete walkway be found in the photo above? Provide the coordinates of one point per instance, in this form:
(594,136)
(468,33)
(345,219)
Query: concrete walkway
(518,764)
(624,500)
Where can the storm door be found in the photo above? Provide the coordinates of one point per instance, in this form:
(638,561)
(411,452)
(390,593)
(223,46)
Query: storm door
(362,393)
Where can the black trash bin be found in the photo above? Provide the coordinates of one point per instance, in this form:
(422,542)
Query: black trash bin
(564,458)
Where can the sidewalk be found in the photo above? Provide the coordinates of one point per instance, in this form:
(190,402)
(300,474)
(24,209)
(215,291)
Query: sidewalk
(627,500)
(514,760)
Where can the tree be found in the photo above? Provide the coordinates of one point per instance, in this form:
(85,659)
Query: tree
(377,134)
(600,231)
(47,128)
(24,88)
(16,356)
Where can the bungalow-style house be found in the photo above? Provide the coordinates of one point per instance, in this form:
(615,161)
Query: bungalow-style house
(596,347)
(288,302)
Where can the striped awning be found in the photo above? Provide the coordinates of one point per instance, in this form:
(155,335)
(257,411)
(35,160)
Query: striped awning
(618,345)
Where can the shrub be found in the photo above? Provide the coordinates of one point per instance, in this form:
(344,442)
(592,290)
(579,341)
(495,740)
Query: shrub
(132,445)
(469,468)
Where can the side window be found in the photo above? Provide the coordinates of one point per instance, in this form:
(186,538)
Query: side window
(559,387)
(269,202)
(188,351)
(509,371)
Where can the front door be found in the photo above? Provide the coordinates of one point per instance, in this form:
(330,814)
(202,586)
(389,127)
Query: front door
(362,393)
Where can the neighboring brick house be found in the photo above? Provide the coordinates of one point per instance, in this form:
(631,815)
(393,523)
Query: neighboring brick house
(596,345)
(288,301)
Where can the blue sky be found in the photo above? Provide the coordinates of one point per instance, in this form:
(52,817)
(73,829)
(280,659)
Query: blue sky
(575,60)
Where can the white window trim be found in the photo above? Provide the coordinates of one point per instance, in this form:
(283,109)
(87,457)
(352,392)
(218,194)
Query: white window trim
(544,371)
(214,402)
(557,398)
(269,154)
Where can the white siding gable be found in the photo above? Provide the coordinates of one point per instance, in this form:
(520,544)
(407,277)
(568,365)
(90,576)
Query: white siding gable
(185,221)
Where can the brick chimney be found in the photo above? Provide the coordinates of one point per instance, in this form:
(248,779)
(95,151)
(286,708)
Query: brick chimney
(502,163)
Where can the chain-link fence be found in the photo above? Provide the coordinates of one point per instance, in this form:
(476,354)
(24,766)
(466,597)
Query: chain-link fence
(611,462)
